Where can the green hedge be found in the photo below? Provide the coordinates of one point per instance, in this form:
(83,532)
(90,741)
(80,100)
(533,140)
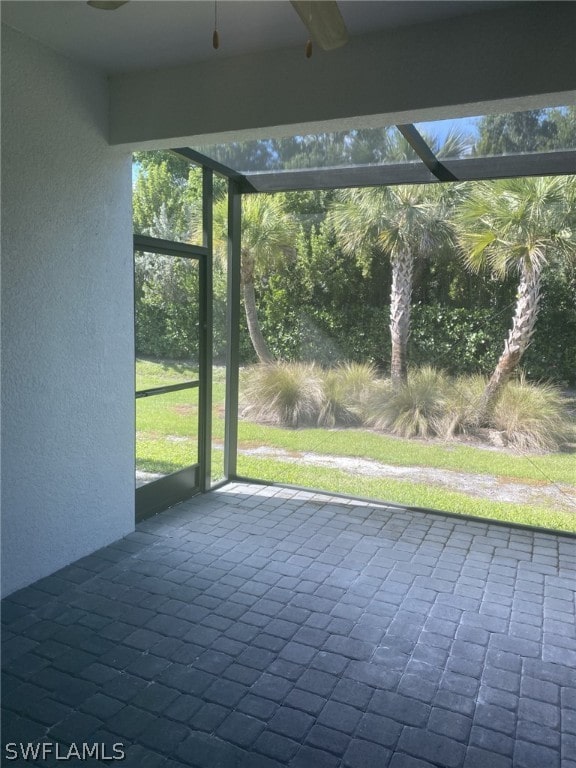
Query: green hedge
(304,324)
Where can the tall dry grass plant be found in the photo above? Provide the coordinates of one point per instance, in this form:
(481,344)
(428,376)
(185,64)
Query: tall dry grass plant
(533,417)
(414,410)
(530,417)
(346,390)
(288,394)
(462,399)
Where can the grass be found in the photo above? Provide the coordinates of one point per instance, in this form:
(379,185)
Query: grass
(167,429)
(528,416)
(152,373)
(304,394)
(403,492)
(167,425)
(415,410)
(558,467)
(290,394)
(346,389)
(533,417)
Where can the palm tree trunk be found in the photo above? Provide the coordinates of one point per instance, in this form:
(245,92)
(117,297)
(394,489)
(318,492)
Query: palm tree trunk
(249,296)
(400,305)
(519,337)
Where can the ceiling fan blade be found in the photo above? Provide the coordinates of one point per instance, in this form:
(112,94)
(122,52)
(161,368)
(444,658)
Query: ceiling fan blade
(324,21)
(106,5)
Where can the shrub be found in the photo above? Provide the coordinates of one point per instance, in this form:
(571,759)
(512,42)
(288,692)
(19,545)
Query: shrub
(416,409)
(289,394)
(303,394)
(530,417)
(461,405)
(458,340)
(346,389)
(552,351)
(533,417)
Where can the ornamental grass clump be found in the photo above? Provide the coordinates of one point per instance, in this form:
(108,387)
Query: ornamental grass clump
(533,417)
(346,390)
(462,399)
(287,394)
(415,409)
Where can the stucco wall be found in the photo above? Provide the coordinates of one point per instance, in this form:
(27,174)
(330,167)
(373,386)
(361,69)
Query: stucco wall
(67,309)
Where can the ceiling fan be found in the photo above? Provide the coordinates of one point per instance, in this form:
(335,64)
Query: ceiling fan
(322,19)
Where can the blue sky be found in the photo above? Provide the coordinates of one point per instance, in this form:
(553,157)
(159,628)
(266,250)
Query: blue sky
(440,128)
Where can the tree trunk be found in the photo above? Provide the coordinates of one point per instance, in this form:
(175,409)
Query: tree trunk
(519,337)
(400,305)
(249,296)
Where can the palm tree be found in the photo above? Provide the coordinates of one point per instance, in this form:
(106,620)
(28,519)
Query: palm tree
(404,223)
(516,224)
(268,234)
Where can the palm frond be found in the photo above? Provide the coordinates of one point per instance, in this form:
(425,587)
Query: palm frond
(505,222)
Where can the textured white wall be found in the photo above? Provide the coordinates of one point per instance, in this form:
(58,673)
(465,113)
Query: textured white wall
(67,316)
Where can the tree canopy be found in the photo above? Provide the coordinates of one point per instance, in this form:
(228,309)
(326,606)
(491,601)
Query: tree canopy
(324,294)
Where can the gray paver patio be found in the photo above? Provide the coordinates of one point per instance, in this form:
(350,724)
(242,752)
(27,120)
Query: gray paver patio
(258,627)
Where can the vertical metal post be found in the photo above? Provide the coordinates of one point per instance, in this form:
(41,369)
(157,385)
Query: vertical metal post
(205,351)
(233,330)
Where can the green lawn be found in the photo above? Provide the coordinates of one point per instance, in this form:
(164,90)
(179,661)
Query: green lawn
(559,467)
(166,441)
(404,492)
(167,425)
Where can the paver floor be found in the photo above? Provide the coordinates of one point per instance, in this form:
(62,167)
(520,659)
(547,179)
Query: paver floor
(258,627)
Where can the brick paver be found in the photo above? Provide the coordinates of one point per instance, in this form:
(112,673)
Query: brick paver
(259,627)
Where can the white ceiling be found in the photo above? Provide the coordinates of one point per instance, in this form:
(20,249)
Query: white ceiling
(152,34)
